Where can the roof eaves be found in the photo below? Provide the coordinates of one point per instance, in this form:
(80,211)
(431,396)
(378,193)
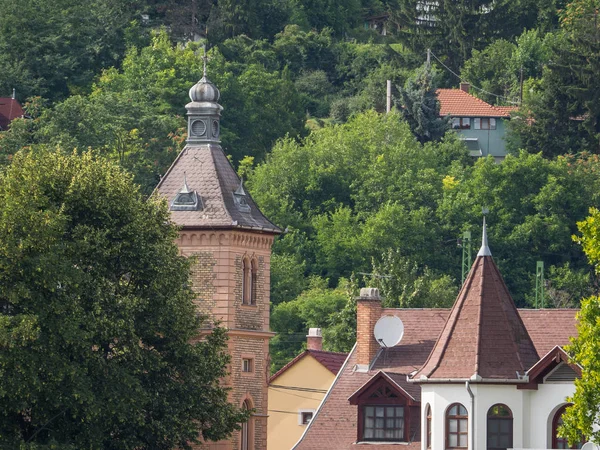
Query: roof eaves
(288,365)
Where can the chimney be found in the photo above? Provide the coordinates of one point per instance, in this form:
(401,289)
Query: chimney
(465,87)
(368,312)
(314,340)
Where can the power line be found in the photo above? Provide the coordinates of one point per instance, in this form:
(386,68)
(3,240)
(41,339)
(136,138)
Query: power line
(506,99)
(299,388)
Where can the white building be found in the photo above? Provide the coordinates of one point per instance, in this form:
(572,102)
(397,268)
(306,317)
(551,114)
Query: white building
(482,375)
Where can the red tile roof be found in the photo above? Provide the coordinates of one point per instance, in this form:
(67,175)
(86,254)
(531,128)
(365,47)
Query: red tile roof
(484,336)
(9,109)
(332,361)
(458,103)
(334,426)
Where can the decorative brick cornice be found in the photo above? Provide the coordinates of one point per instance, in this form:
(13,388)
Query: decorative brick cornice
(201,238)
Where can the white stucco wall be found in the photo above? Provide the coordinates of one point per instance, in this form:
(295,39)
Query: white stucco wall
(532,411)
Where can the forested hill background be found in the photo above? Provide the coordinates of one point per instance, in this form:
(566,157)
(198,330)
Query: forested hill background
(366,198)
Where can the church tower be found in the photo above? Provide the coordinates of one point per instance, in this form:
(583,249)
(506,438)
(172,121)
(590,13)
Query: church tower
(223,229)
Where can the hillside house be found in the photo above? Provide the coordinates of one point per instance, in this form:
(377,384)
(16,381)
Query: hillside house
(481,375)
(480,125)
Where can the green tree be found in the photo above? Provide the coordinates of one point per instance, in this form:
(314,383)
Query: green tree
(99,335)
(52,48)
(582,418)
(420,106)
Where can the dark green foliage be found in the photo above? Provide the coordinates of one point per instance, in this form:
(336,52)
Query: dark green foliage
(52,48)
(420,107)
(98,331)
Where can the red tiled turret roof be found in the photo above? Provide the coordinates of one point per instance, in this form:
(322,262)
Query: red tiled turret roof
(484,337)
(458,103)
(9,109)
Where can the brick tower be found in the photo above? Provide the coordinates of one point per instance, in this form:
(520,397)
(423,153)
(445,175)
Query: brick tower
(231,239)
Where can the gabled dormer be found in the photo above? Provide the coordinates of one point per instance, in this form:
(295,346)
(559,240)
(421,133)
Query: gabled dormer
(384,410)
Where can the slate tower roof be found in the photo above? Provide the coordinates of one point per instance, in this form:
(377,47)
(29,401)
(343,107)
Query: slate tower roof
(201,186)
(484,338)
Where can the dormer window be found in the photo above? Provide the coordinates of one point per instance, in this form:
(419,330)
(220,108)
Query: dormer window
(240,198)
(383,411)
(186,200)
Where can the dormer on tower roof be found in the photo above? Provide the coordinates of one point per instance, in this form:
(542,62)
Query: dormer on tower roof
(484,339)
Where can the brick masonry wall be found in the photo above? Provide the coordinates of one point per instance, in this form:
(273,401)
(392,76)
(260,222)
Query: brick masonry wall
(203,281)
(250,317)
(251,385)
(367,313)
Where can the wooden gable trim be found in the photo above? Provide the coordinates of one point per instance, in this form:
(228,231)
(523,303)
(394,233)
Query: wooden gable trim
(380,379)
(545,365)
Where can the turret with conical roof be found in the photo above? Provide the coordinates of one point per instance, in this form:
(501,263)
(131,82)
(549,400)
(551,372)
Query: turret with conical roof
(484,339)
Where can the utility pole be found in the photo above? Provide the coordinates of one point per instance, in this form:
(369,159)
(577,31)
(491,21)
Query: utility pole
(388,105)
(521,83)
(466,255)
(428,57)
(539,284)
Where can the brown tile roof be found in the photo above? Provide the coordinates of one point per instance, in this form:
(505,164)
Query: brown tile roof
(334,426)
(456,102)
(549,327)
(209,172)
(9,109)
(332,361)
(484,336)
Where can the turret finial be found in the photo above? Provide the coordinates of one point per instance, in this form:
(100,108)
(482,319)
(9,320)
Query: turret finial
(205,60)
(484,250)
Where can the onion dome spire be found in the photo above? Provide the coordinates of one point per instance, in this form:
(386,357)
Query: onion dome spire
(204,111)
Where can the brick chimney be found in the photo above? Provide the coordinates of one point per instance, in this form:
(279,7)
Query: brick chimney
(314,340)
(368,312)
(465,87)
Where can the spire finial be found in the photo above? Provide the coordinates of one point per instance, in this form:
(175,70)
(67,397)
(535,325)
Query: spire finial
(186,189)
(205,60)
(484,250)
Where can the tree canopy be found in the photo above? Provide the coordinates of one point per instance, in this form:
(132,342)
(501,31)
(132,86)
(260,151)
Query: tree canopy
(99,336)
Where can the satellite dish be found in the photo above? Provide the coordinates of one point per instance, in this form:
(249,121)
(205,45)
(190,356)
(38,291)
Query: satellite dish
(589,446)
(389,331)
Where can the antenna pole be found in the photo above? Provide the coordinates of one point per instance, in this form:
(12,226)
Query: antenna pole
(539,284)
(466,255)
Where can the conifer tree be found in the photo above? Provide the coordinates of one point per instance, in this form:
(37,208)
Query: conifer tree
(420,106)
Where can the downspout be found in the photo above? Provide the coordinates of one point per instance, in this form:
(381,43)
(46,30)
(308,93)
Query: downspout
(472,434)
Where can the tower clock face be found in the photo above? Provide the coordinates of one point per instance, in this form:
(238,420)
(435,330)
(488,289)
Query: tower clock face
(198,128)
(215,128)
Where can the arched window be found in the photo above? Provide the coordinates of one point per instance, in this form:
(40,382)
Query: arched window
(254,282)
(457,422)
(428,418)
(558,442)
(499,427)
(246,282)
(245,432)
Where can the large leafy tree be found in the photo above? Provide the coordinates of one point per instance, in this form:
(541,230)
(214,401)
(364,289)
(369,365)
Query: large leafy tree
(99,337)
(582,418)
(52,48)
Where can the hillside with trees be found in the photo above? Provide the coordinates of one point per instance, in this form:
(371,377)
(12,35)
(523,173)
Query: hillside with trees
(366,198)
